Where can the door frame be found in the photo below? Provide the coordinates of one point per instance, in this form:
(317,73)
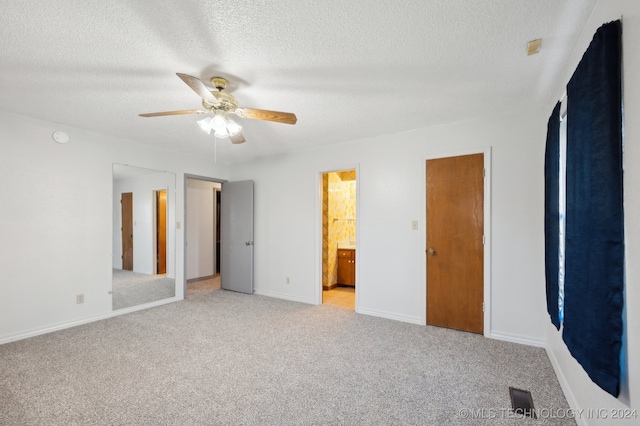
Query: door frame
(487,230)
(318,228)
(184,231)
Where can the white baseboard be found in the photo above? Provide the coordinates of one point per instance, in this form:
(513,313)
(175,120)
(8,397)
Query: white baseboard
(61,326)
(517,339)
(193,280)
(285,296)
(390,315)
(566,388)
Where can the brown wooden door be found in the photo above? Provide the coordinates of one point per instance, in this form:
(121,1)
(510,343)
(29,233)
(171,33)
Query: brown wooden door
(161,232)
(127,230)
(455,249)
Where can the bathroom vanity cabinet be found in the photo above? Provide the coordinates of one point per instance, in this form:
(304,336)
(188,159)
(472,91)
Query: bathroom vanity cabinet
(347,267)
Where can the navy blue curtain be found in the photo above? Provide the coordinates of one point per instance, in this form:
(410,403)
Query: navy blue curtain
(594,247)
(551,215)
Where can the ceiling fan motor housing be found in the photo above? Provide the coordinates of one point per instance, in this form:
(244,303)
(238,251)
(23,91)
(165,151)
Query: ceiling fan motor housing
(227,102)
(219,83)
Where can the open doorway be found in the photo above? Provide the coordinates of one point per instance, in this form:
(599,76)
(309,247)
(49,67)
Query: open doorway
(127,230)
(232,227)
(339,238)
(161,231)
(202,236)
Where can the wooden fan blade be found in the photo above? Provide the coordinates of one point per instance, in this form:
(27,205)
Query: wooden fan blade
(263,114)
(199,87)
(237,138)
(184,111)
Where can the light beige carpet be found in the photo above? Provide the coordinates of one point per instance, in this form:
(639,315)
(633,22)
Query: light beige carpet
(224,358)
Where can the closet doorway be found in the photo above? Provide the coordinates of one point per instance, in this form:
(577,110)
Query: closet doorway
(339,255)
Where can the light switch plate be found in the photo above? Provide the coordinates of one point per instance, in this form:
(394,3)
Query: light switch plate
(414,225)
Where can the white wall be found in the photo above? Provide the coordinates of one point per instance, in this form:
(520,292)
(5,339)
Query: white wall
(56,221)
(144,224)
(391,193)
(581,392)
(201,228)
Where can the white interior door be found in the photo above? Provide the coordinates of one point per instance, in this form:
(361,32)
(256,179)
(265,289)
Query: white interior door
(236,236)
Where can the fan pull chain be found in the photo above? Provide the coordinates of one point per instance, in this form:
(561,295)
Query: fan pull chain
(215,149)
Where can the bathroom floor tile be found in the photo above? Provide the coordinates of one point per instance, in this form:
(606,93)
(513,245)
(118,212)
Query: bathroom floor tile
(342,297)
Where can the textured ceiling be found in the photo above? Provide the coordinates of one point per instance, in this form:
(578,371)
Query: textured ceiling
(347,69)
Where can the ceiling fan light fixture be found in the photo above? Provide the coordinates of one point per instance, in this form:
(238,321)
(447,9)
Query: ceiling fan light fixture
(232,127)
(219,125)
(205,124)
(221,133)
(222,126)
(218,121)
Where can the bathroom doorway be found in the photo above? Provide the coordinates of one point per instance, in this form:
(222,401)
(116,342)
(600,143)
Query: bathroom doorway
(339,238)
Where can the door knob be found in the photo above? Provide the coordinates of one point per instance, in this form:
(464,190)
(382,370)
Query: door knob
(431,251)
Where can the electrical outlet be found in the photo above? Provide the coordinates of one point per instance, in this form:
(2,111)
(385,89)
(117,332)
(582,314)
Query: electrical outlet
(79,298)
(288,280)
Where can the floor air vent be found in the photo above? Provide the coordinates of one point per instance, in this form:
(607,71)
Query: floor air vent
(522,402)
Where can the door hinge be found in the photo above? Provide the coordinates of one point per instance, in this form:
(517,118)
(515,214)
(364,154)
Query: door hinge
(482,306)
(483,240)
(484,173)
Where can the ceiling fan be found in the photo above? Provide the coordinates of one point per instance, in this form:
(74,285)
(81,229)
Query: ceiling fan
(219,104)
